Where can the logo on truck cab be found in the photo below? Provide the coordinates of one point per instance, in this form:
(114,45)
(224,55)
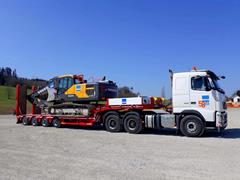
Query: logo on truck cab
(204,101)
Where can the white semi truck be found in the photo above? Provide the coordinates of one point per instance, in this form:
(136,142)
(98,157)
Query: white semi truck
(198,104)
(198,101)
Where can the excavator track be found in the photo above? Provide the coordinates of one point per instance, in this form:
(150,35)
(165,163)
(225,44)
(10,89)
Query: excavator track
(70,109)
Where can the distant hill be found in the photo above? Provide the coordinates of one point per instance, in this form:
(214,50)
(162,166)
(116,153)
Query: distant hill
(9,77)
(8,81)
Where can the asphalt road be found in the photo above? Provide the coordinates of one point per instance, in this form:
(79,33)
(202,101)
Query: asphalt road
(28,152)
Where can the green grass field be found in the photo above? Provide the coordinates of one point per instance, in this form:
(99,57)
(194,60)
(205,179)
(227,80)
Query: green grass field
(7,100)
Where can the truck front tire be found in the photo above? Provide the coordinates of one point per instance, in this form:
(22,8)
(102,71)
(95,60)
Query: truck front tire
(133,123)
(113,123)
(192,126)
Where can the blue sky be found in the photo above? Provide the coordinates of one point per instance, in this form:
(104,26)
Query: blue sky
(132,42)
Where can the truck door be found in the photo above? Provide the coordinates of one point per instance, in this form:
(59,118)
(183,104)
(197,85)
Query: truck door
(201,98)
(180,93)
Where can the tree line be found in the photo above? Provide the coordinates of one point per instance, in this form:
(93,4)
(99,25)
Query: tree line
(9,77)
(127,92)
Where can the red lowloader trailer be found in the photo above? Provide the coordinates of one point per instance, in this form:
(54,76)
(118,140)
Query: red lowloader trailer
(116,114)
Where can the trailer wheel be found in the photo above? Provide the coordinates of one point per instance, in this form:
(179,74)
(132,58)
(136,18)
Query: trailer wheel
(34,121)
(56,122)
(45,122)
(192,126)
(113,123)
(133,123)
(25,120)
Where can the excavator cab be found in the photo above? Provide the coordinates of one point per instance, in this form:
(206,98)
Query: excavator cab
(64,84)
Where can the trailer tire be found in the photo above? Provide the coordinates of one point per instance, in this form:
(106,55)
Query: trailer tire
(56,122)
(113,123)
(25,121)
(34,121)
(133,123)
(192,126)
(45,122)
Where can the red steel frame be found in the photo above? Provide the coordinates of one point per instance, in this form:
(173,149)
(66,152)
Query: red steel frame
(17,101)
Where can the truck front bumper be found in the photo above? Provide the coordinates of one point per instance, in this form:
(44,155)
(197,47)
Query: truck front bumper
(221,120)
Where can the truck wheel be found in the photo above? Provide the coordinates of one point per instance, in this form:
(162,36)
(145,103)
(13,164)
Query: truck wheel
(133,123)
(113,123)
(192,126)
(45,122)
(25,120)
(34,121)
(56,122)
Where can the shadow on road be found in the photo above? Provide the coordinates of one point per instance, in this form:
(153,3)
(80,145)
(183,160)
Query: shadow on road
(164,132)
(233,133)
(90,128)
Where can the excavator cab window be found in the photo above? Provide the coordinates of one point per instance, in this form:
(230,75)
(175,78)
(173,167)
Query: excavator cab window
(70,82)
(76,81)
(64,84)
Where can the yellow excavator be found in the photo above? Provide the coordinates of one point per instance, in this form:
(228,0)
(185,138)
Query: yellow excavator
(70,93)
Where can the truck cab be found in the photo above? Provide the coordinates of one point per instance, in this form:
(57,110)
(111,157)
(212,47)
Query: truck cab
(198,94)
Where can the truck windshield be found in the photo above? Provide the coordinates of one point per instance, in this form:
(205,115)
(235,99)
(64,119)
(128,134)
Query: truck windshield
(216,86)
